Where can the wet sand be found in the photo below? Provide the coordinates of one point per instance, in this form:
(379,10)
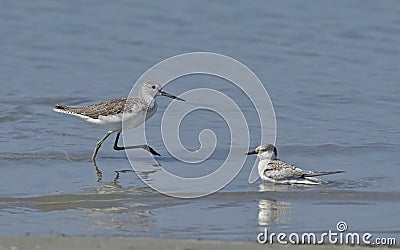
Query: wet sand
(87,243)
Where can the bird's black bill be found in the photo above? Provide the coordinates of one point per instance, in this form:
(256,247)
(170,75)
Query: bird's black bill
(169,95)
(252,153)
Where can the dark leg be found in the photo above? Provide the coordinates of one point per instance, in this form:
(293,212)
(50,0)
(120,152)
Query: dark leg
(98,145)
(144,146)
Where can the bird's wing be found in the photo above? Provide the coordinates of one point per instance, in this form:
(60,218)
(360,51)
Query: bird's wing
(107,108)
(278,169)
(312,174)
(93,111)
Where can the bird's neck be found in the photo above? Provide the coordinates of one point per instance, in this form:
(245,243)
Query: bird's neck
(148,98)
(267,156)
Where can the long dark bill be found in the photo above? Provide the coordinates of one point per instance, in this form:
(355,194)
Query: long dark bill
(169,95)
(252,153)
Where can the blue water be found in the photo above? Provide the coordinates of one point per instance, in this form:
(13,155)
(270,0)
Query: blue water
(330,68)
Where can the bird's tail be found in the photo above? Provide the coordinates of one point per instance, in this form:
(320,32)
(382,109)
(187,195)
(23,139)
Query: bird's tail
(64,109)
(59,107)
(323,173)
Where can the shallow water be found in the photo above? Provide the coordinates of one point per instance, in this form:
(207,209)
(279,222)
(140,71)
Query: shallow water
(330,68)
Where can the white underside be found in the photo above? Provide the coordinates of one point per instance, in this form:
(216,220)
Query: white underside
(114,122)
(306,181)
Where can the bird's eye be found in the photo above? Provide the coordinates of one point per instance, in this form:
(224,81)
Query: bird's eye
(153,87)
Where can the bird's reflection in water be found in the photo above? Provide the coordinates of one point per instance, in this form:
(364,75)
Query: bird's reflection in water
(122,207)
(270,211)
(132,183)
(144,174)
(124,218)
(98,172)
(117,174)
(272,187)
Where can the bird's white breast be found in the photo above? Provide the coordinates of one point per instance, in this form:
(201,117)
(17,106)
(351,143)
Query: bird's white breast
(138,116)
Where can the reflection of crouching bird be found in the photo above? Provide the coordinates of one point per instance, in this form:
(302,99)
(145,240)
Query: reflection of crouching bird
(274,170)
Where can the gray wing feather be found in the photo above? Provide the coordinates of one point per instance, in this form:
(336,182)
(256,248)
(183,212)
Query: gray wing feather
(279,170)
(111,107)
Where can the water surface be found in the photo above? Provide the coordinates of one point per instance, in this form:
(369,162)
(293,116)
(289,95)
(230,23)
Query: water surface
(331,69)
